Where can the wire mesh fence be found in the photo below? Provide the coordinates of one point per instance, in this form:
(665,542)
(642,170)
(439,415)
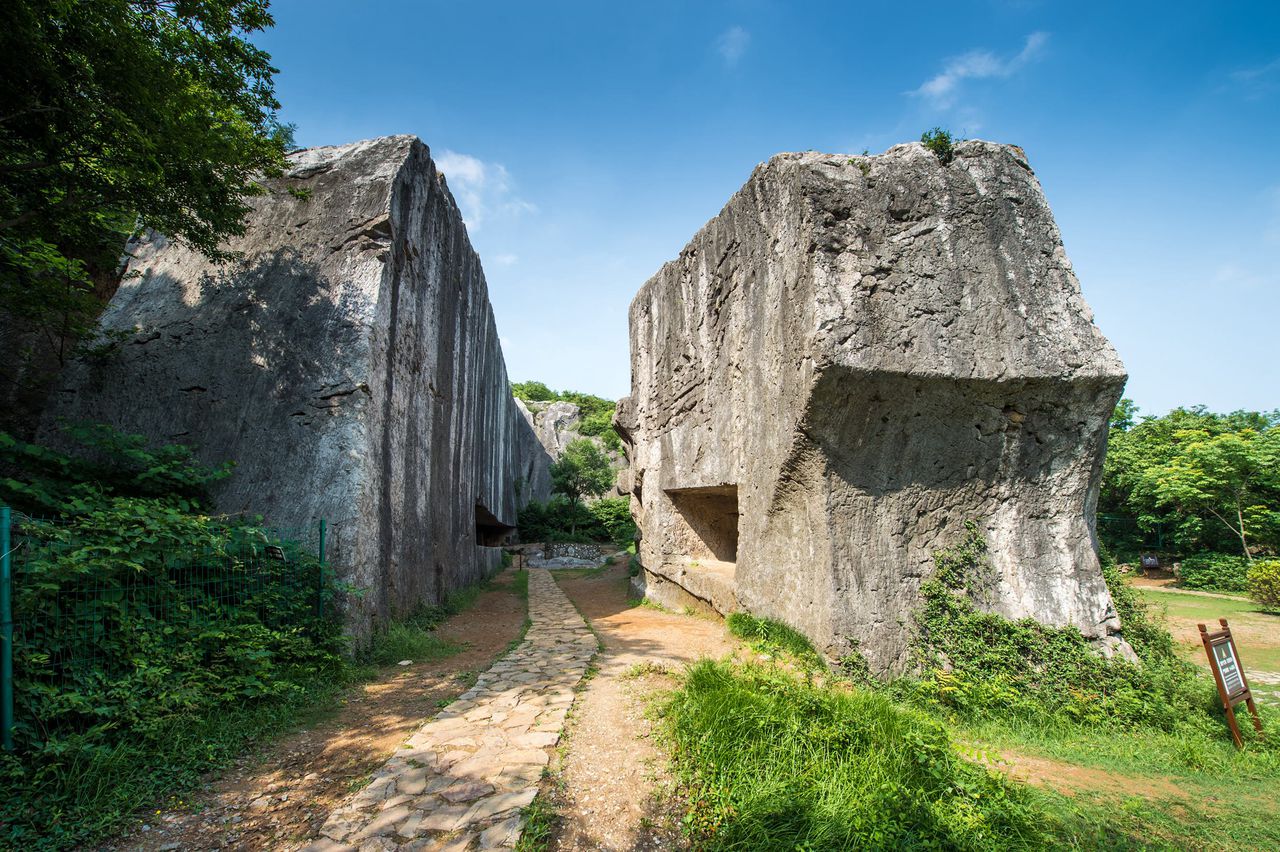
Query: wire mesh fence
(1126,536)
(81,609)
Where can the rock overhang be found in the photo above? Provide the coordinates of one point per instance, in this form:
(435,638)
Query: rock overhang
(848,301)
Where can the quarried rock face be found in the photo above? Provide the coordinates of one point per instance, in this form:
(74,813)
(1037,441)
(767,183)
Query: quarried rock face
(556,425)
(348,363)
(852,359)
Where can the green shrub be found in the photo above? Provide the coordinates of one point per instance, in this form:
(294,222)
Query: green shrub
(614,514)
(940,142)
(1214,572)
(143,624)
(769,762)
(559,520)
(980,664)
(1264,582)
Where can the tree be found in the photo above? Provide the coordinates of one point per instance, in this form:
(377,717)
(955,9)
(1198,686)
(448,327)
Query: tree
(582,470)
(118,115)
(1134,503)
(1231,476)
(532,392)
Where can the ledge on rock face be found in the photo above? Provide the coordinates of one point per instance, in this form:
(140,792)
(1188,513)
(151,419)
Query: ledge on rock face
(869,351)
(347,362)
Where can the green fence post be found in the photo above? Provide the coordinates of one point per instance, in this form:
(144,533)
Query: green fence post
(6,633)
(320,578)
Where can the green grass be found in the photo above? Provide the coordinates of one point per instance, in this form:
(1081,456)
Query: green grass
(1201,607)
(1195,789)
(1257,655)
(582,572)
(775,638)
(768,762)
(413,638)
(520,584)
(540,824)
(409,640)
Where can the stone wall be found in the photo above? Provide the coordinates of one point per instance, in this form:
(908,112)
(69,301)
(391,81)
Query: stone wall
(852,359)
(348,363)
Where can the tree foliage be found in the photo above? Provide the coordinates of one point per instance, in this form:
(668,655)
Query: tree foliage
(117,115)
(596,412)
(606,519)
(583,470)
(1208,481)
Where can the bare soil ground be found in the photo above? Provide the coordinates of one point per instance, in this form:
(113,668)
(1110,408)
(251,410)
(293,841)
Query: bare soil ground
(281,795)
(611,789)
(1070,779)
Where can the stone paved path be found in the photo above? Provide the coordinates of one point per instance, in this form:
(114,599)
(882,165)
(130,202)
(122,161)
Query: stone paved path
(460,782)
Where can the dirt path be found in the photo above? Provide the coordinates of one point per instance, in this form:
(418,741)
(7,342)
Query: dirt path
(282,794)
(462,780)
(609,787)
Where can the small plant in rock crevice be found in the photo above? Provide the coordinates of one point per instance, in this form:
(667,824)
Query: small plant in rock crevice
(941,143)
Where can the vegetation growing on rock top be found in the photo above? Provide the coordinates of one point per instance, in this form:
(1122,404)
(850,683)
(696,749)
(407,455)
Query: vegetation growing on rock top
(941,143)
(597,412)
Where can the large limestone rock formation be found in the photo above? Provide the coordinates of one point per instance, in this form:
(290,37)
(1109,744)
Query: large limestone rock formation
(852,359)
(348,364)
(556,425)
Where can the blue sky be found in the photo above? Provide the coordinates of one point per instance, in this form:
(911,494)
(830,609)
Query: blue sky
(587,142)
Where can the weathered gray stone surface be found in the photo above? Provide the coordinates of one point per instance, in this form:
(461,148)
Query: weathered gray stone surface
(854,357)
(556,425)
(349,365)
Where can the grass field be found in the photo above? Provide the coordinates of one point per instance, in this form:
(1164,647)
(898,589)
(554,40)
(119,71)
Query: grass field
(1257,633)
(770,758)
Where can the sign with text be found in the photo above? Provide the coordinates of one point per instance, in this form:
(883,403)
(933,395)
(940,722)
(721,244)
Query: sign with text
(1224,654)
(1228,673)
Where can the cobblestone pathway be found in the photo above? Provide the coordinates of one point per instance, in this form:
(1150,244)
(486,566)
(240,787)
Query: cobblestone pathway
(460,781)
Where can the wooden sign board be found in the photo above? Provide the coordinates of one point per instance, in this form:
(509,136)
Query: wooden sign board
(1228,673)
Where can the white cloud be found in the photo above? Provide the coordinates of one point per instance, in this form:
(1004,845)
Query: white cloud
(505,259)
(732,44)
(1233,275)
(943,89)
(483,190)
(1258,81)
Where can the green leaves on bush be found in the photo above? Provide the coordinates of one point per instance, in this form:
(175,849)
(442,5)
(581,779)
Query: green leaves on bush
(105,463)
(138,618)
(980,664)
(940,142)
(1264,582)
(1214,572)
(606,519)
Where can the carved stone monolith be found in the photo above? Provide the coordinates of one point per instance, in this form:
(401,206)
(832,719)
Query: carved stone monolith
(856,356)
(347,362)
